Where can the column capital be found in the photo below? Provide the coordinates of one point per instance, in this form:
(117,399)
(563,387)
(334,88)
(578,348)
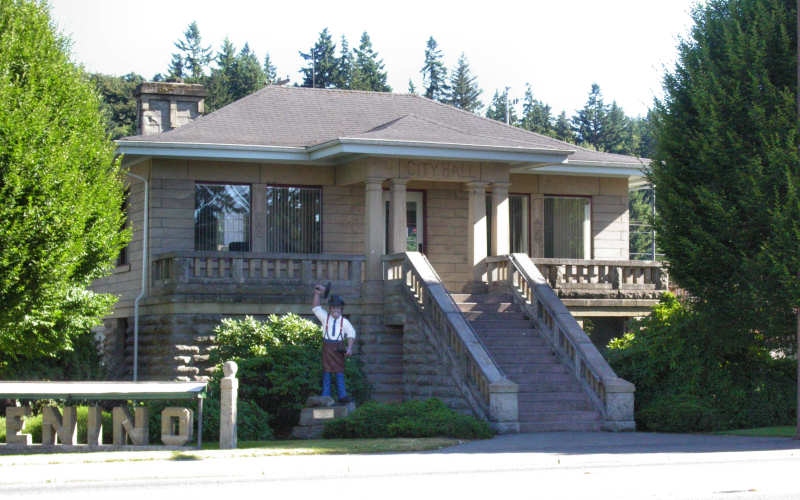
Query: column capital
(398,181)
(475,186)
(501,185)
(374,183)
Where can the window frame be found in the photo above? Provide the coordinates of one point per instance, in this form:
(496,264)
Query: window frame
(250,217)
(321,209)
(591,225)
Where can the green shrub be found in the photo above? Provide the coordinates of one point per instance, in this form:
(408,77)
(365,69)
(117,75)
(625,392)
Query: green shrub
(686,381)
(280,366)
(81,361)
(427,418)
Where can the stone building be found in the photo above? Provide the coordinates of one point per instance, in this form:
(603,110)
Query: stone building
(465,248)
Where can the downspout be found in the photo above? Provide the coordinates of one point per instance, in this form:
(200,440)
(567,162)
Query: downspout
(144,279)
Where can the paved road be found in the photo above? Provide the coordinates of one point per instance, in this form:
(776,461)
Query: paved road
(541,466)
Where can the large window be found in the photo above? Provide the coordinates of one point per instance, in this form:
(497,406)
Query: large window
(518,221)
(567,232)
(294,220)
(222,217)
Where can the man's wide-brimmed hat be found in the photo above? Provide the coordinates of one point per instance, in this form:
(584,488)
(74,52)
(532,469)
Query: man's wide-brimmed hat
(335,300)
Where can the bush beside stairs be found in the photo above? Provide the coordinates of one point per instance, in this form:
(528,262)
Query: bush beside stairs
(550,397)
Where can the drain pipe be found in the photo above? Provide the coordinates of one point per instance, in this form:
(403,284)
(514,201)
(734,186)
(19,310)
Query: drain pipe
(144,279)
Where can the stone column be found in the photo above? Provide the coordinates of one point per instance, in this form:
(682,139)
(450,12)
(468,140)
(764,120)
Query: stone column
(229,390)
(501,228)
(476,227)
(398,216)
(374,231)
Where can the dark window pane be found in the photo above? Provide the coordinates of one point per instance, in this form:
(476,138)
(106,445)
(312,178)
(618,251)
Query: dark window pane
(294,220)
(222,217)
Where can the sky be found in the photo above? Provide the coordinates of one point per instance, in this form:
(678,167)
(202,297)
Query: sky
(559,47)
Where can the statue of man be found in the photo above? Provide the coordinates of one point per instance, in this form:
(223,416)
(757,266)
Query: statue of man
(335,329)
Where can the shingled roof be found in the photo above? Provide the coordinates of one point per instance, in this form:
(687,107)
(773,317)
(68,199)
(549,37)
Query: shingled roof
(298,117)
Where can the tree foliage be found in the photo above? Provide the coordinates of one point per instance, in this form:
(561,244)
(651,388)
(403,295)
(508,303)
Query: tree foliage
(118,102)
(434,73)
(500,109)
(60,186)
(323,65)
(368,71)
(235,76)
(193,56)
(727,172)
(464,91)
(536,114)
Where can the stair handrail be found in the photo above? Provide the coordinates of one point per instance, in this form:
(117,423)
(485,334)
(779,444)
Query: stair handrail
(495,394)
(611,395)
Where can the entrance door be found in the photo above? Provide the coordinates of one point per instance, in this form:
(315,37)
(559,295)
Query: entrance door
(415,212)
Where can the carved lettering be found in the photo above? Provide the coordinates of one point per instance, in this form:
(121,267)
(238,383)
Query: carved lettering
(15,422)
(125,427)
(440,170)
(94,427)
(58,427)
(184,418)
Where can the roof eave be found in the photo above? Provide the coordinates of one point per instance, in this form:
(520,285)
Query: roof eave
(236,152)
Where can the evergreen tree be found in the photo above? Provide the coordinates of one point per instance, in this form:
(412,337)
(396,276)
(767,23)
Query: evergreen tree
(536,114)
(195,57)
(270,71)
(119,103)
(464,91)
(368,73)
(176,69)
(562,130)
(497,109)
(323,65)
(434,74)
(344,70)
(726,173)
(236,76)
(590,121)
(411,88)
(61,187)
(644,141)
(616,135)
(248,76)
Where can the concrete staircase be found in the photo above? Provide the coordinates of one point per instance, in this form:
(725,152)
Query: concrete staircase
(550,398)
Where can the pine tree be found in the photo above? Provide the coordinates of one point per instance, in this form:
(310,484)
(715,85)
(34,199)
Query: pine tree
(344,69)
(176,70)
(219,82)
(270,71)
(248,76)
(588,124)
(411,88)
(616,135)
(368,73)
(194,55)
(323,64)
(535,114)
(497,109)
(727,173)
(562,130)
(464,91)
(434,74)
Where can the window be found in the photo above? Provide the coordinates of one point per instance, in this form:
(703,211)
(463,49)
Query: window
(518,220)
(222,217)
(294,219)
(567,232)
(122,258)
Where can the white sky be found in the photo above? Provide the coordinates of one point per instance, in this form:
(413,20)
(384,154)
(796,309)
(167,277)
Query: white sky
(559,47)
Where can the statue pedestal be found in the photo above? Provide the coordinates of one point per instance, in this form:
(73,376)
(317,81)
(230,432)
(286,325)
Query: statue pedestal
(313,419)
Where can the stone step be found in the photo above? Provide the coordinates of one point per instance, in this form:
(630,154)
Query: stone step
(493,316)
(505,358)
(516,369)
(527,397)
(570,385)
(493,342)
(481,298)
(521,349)
(560,416)
(535,407)
(387,369)
(532,379)
(592,426)
(498,307)
(509,332)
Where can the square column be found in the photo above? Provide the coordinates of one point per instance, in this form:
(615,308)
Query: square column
(374,230)
(398,216)
(476,224)
(501,230)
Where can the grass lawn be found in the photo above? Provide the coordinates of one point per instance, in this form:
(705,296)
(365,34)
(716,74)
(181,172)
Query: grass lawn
(779,431)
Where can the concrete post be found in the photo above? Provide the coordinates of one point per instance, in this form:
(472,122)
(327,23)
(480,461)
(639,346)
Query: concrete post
(476,226)
(504,406)
(374,231)
(501,220)
(398,216)
(229,389)
(15,422)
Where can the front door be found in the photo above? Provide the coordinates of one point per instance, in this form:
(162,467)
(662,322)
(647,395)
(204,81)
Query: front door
(415,220)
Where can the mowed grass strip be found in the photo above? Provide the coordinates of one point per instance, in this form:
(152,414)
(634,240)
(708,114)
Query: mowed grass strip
(777,431)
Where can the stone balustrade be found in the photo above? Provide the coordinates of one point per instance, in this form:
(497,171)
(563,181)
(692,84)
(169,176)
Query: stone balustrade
(195,272)
(623,279)
(490,393)
(612,395)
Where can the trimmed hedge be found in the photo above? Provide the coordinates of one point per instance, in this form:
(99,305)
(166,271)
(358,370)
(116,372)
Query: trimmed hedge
(429,418)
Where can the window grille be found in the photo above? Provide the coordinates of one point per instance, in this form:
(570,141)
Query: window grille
(294,220)
(222,217)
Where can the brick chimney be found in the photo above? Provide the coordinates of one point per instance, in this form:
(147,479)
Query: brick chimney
(163,106)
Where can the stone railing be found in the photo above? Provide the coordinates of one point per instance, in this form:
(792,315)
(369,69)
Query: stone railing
(612,395)
(487,389)
(604,278)
(199,271)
